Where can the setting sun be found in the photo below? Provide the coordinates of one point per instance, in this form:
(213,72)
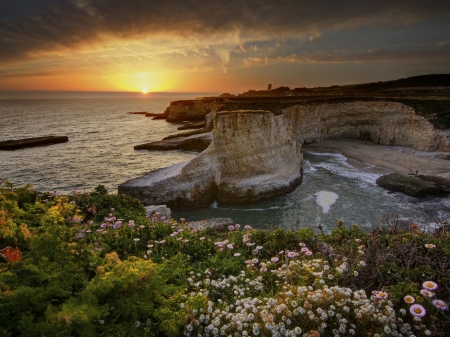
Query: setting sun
(144,91)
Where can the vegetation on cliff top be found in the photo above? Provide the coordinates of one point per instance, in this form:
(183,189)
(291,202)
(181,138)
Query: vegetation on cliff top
(96,264)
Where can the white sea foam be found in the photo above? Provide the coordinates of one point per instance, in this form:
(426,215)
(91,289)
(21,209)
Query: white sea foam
(337,164)
(325,199)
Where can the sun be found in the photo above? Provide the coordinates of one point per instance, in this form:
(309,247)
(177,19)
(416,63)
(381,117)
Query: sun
(144,91)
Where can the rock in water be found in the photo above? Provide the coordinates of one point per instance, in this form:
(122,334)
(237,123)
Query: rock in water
(325,199)
(409,185)
(253,156)
(31,142)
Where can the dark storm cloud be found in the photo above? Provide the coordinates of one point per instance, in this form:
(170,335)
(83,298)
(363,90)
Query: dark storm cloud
(33,26)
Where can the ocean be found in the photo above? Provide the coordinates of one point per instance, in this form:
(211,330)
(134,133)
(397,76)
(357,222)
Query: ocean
(100,152)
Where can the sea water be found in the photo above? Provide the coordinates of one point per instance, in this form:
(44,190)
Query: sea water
(100,151)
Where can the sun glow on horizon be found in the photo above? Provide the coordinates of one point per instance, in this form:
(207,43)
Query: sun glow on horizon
(144,90)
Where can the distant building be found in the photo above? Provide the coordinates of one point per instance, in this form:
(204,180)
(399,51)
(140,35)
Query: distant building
(269,87)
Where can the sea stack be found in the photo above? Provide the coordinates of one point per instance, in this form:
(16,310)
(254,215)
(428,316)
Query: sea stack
(253,156)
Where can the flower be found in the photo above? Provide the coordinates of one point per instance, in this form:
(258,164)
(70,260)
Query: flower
(247,227)
(441,305)
(274,259)
(136,239)
(231,228)
(237,254)
(429,285)
(237,226)
(309,253)
(381,294)
(255,260)
(259,247)
(131,223)
(430,245)
(426,293)
(292,254)
(409,299)
(417,310)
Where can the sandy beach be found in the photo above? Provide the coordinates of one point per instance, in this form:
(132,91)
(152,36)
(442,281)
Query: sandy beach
(370,157)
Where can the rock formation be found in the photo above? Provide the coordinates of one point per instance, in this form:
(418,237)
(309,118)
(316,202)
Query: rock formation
(31,142)
(384,123)
(190,110)
(253,156)
(414,186)
(197,142)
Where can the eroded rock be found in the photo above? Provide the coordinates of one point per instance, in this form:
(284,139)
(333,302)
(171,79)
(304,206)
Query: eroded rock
(253,156)
(192,143)
(409,185)
(384,123)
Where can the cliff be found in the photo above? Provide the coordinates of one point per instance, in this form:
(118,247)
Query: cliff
(253,156)
(384,123)
(189,110)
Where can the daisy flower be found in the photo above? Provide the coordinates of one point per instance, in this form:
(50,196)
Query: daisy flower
(426,293)
(409,299)
(417,310)
(381,294)
(441,305)
(429,285)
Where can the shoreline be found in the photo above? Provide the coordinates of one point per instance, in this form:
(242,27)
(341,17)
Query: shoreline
(380,159)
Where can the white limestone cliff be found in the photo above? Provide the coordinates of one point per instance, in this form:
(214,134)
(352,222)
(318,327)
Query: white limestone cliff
(384,123)
(253,156)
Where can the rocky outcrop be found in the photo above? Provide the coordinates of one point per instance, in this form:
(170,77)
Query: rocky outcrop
(253,156)
(198,142)
(220,224)
(31,142)
(410,185)
(191,110)
(192,126)
(384,123)
(163,211)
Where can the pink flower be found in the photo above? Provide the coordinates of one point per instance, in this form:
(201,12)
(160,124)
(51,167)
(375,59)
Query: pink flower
(274,259)
(308,253)
(409,299)
(237,254)
(417,310)
(237,226)
(429,285)
(281,252)
(231,228)
(247,227)
(381,294)
(292,254)
(255,260)
(304,250)
(259,247)
(441,305)
(230,246)
(427,293)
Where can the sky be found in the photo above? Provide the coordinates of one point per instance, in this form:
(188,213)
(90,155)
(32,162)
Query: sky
(217,46)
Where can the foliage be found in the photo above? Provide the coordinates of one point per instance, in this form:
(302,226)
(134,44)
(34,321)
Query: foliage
(96,264)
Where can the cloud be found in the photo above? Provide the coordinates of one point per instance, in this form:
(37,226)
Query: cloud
(431,56)
(30,27)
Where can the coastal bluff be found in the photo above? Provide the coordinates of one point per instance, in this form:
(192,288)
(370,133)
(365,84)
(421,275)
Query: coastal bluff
(253,156)
(380,122)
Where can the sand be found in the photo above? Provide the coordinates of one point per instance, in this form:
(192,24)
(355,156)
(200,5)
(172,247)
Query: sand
(370,157)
